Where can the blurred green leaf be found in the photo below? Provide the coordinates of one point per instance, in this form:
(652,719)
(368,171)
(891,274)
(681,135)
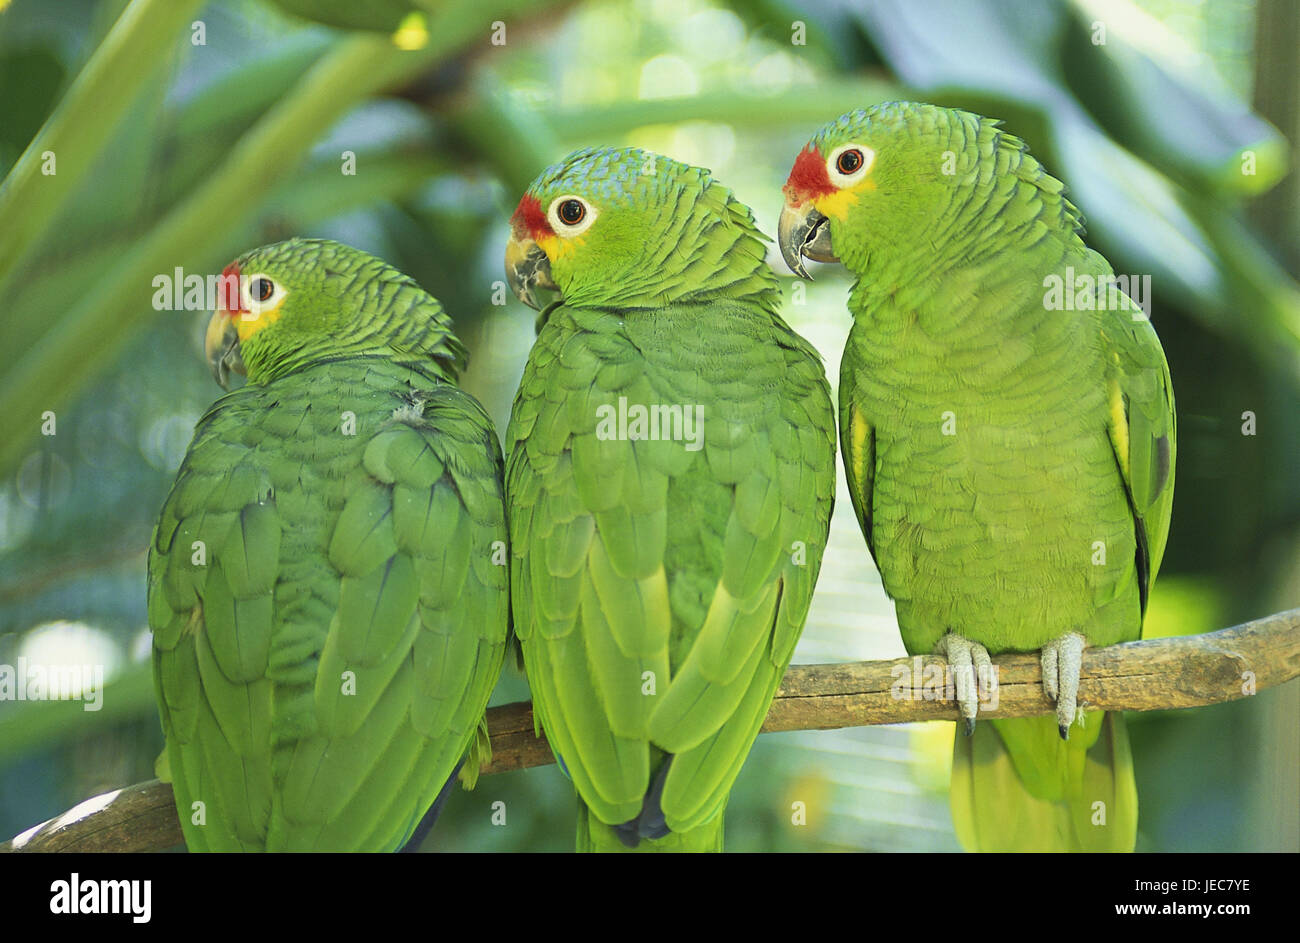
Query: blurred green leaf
(379,15)
(1183,121)
(132,53)
(29,725)
(798,107)
(30,78)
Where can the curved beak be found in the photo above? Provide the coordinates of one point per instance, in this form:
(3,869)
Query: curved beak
(527,267)
(804,233)
(221,344)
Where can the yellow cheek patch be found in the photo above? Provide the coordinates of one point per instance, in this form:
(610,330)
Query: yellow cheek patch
(248,323)
(837,204)
(550,245)
(556,247)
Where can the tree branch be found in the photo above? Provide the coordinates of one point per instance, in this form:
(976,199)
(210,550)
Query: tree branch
(1160,674)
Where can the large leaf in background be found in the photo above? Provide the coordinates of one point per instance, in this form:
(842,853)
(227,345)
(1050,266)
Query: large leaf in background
(1183,120)
(39,73)
(592,124)
(221,109)
(111,204)
(382,15)
(135,49)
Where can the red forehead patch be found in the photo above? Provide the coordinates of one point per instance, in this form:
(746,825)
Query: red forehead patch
(228,297)
(529,220)
(808,177)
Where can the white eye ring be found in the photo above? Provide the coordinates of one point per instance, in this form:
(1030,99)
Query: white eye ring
(559,226)
(251,304)
(841,179)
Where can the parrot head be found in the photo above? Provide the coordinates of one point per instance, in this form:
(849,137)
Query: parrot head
(283,306)
(895,178)
(625,228)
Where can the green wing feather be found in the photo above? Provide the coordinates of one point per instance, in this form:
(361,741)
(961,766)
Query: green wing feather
(858,449)
(659,590)
(1143,433)
(326,664)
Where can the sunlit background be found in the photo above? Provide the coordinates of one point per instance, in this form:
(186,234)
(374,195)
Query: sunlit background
(223,147)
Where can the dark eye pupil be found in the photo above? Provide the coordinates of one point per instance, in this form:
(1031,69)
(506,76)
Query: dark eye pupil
(572,212)
(262,288)
(850,161)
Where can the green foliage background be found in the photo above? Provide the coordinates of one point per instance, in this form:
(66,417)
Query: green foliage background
(174,153)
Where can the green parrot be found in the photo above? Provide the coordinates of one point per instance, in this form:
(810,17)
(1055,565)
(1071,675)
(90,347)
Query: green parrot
(1007,429)
(671,469)
(328,585)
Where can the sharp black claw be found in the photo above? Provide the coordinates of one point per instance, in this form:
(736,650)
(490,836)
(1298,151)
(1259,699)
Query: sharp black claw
(969,724)
(1065,731)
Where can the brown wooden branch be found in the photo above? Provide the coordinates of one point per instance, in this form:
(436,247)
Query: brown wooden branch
(1160,674)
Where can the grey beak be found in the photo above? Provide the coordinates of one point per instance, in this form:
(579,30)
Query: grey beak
(221,344)
(803,233)
(527,267)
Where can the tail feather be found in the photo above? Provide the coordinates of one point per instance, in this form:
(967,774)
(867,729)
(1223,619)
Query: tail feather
(595,836)
(651,822)
(1016,786)
(477,754)
(426,822)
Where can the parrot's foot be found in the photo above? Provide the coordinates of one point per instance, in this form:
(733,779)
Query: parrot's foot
(1061,660)
(970,664)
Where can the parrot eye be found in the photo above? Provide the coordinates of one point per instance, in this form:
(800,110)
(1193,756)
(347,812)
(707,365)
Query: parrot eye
(571,211)
(260,293)
(570,215)
(848,164)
